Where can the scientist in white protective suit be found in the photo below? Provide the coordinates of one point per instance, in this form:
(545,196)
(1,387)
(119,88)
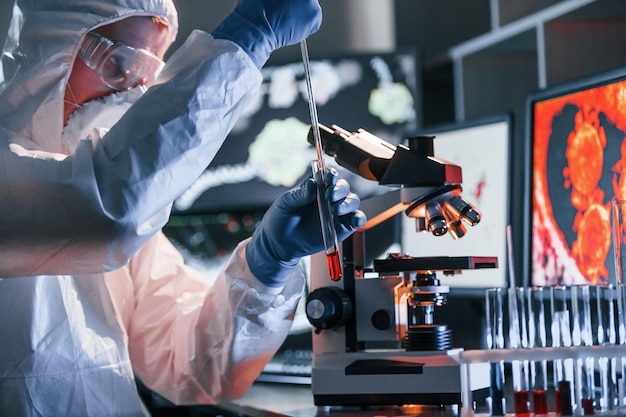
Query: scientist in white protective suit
(92,294)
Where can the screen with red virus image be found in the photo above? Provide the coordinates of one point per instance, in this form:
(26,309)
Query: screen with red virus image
(577,163)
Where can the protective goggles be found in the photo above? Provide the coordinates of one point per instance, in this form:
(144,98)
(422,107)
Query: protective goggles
(119,66)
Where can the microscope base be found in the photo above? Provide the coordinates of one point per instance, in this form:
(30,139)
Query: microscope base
(395,378)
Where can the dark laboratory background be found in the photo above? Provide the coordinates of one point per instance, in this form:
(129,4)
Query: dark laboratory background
(467,60)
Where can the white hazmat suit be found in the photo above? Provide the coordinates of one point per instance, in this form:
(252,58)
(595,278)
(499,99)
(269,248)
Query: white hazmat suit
(126,304)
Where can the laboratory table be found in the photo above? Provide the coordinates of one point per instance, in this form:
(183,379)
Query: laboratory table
(284,400)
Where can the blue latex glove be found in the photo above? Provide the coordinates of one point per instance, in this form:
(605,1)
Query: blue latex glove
(291,229)
(260,27)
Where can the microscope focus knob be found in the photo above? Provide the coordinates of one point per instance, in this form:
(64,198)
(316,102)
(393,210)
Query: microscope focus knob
(328,308)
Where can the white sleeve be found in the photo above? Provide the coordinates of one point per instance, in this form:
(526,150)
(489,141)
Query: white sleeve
(195,342)
(91,211)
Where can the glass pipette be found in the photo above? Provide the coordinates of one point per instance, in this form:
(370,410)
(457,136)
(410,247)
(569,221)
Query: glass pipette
(329,235)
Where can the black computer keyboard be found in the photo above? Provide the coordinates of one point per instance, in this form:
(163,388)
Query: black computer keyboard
(290,366)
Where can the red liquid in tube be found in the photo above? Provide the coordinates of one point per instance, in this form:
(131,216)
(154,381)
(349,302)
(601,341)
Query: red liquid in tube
(521,403)
(334,265)
(540,403)
(588,406)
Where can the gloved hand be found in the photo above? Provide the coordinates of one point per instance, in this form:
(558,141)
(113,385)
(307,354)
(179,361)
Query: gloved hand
(261,26)
(291,228)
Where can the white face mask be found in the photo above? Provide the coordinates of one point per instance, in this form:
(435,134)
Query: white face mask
(98,114)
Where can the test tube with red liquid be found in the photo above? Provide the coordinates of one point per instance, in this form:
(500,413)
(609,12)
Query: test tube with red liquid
(331,247)
(518,335)
(563,369)
(582,335)
(329,235)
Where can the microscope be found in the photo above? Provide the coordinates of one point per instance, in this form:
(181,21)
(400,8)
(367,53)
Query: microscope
(376,340)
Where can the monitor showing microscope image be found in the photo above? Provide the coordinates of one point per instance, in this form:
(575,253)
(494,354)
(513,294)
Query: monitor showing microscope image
(481,149)
(576,165)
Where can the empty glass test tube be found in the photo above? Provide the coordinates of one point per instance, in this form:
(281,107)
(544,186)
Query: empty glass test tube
(495,340)
(537,338)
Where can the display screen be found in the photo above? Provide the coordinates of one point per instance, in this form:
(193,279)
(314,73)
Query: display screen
(481,149)
(578,164)
(267,151)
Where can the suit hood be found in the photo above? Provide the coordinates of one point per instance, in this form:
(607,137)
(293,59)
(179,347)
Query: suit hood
(39,53)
